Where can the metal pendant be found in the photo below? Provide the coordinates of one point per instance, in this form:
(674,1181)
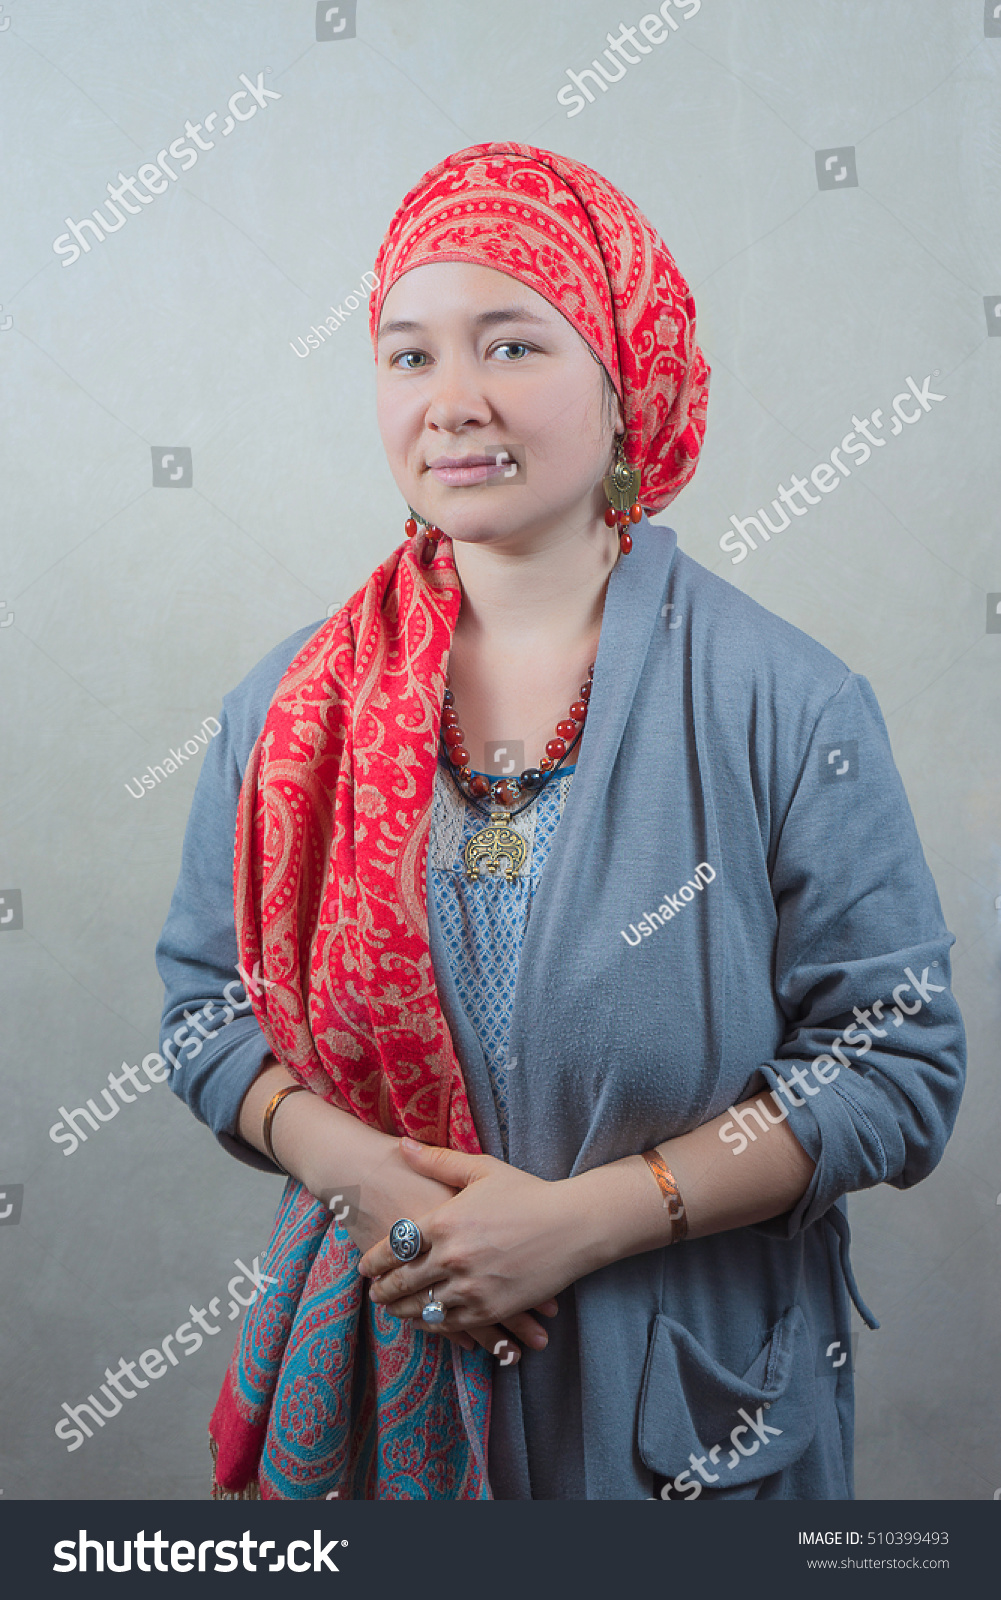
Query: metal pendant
(622,486)
(494,843)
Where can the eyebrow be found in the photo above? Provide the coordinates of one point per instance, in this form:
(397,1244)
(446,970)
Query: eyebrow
(486,319)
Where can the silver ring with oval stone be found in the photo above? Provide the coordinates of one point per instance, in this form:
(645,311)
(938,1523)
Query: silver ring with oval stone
(405,1240)
(434,1312)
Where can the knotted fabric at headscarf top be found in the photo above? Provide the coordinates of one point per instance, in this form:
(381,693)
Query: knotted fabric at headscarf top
(325,1394)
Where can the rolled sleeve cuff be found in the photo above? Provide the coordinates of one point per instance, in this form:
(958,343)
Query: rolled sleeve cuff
(839,1137)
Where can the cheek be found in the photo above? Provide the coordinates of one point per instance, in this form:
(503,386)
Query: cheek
(568,435)
(396,422)
(567,418)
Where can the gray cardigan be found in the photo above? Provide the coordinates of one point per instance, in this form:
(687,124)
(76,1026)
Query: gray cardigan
(735,898)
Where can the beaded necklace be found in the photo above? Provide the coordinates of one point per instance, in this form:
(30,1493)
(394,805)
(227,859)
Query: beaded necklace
(498,841)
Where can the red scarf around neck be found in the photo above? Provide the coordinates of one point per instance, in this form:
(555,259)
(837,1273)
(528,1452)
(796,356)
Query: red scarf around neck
(325,1393)
(331,857)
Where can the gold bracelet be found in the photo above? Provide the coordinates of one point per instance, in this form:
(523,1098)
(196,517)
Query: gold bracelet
(668,1186)
(269,1117)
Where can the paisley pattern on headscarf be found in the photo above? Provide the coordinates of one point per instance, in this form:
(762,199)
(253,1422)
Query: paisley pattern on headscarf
(569,234)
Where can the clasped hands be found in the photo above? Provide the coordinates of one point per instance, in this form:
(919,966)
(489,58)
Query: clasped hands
(502,1246)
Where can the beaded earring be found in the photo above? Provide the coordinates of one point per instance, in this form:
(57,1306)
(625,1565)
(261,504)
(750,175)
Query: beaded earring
(622,486)
(432,535)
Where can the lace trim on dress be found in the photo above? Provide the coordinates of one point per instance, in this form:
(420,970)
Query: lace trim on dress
(450,816)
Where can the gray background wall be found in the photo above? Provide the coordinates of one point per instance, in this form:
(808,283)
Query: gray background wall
(130,609)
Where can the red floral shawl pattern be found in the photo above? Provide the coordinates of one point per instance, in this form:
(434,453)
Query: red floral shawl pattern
(324,1392)
(569,234)
(331,891)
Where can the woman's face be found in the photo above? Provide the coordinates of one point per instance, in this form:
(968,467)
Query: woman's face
(491,407)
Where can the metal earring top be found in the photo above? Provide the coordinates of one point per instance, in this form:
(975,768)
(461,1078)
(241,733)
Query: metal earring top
(622,487)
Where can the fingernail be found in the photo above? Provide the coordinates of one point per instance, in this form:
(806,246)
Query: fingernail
(540,1341)
(411,1144)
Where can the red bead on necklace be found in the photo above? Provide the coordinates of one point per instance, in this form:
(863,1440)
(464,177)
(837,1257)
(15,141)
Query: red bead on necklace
(508,791)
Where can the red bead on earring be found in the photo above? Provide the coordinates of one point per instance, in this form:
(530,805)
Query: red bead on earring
(431,536)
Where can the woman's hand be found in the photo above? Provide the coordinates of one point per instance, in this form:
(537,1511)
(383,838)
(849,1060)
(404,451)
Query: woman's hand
(393,1189)
(335,1155)
(506,1242)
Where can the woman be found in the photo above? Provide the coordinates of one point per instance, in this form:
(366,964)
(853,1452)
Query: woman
(646,998)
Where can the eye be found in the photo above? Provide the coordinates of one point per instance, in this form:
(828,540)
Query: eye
(515,345)
(405,357)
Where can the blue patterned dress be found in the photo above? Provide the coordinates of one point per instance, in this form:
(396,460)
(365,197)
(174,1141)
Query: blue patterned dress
(484,923)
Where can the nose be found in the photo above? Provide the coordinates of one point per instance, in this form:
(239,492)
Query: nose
(456,397)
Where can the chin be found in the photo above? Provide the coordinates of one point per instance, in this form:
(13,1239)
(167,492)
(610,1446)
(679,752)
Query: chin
(475,529)
(473,526)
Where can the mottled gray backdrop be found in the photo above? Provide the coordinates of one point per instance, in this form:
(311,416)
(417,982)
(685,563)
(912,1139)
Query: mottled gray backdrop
(826,173)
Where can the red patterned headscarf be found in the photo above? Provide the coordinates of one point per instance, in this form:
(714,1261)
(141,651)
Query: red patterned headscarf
(570,235)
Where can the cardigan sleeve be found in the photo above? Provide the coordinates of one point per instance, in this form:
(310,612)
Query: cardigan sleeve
(197,960)
(211,1041)
(874,1048)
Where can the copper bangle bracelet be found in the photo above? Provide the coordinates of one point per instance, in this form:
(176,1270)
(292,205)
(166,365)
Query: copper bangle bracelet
(668,1186)
(269,1117)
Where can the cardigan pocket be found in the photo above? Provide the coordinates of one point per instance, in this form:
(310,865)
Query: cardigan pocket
(740,1428)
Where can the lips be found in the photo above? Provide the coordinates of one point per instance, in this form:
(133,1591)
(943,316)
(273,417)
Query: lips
(461,472)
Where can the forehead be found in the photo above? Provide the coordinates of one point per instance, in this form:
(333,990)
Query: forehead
(441,291)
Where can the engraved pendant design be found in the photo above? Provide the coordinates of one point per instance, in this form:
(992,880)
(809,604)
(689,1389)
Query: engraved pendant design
(622,486)
(493,844)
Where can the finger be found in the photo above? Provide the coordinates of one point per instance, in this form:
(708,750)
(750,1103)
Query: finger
(547,1308)
(417,1277)
(524,1326)
(453,1167)
(521,1323)
(464,1340)
(380,1262)
(411,1306)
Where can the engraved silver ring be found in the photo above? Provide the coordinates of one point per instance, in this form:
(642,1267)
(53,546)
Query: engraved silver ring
(405,1240)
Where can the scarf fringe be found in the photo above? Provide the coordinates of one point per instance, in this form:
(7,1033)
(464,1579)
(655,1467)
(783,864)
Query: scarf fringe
(251,1492)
